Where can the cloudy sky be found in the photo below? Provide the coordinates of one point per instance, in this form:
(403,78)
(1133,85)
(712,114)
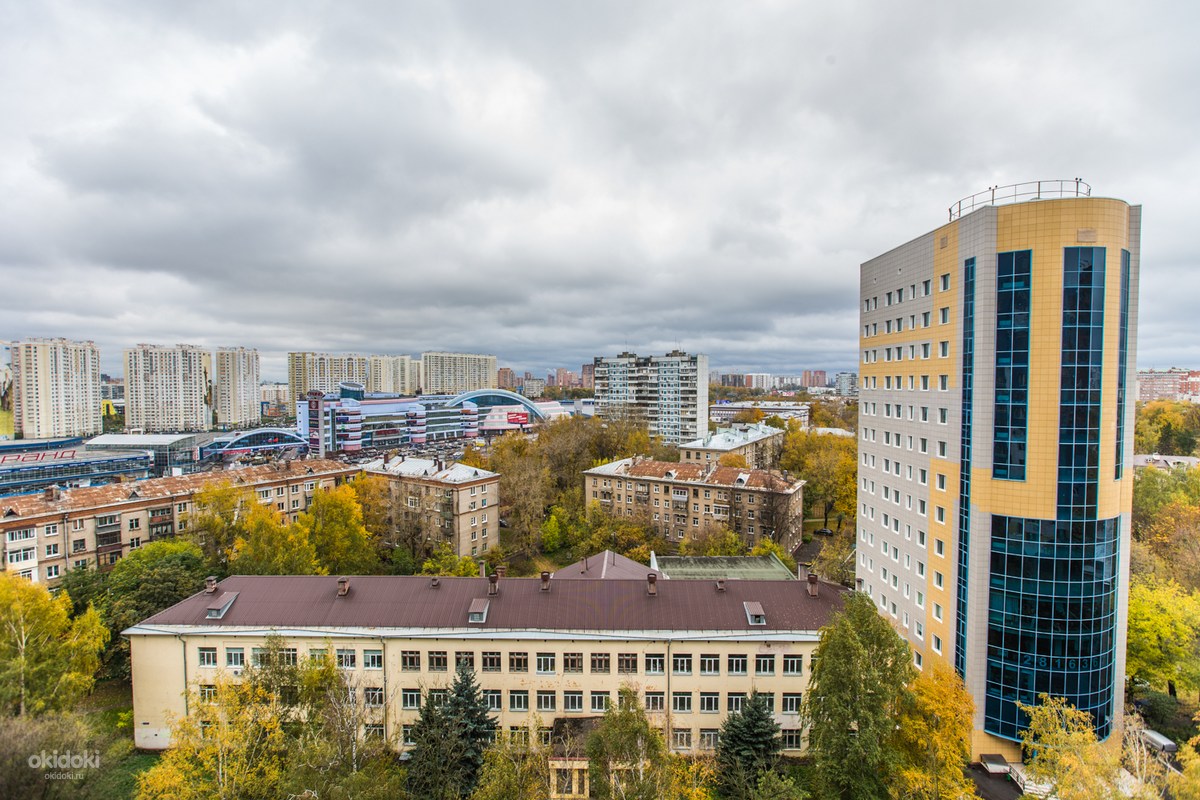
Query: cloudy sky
(553,181)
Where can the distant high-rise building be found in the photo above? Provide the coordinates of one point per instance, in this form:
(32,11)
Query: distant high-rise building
(506,379)
(1001,497)
(1154,384)
(669,392)
(168,389)
(847,384)
(588,376)
(323,372)
(236,390)
(533,387)
(393,375)
(454,373)
(56,388)
(759,380)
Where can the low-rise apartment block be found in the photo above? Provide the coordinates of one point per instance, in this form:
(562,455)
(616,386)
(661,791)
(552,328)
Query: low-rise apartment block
(448,502)
(682,499)
(691,650)
(47,534)
(757,443)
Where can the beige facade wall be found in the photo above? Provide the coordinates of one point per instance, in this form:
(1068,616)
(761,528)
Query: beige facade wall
(401,678)
(100,535)
(685,508)
(465,514)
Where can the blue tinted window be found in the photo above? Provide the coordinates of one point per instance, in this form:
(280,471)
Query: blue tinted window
(1009,427)
(1122,363)
(964,470)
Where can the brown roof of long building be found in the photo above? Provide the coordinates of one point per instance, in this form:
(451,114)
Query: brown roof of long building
(392,601)
(67,500)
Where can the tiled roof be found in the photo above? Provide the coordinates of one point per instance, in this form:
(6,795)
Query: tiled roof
(707,474)
(413,602)
(133,491)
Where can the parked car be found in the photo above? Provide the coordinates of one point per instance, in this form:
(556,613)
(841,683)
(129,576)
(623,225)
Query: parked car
(823,532)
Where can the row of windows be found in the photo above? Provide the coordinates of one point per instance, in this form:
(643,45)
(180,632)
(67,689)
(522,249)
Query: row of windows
(681,739)
(572,701)
(897,295)
(964,470)
(544,663)
(1013,298)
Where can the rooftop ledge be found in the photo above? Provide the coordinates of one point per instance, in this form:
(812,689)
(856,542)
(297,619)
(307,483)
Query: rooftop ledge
(1020,193)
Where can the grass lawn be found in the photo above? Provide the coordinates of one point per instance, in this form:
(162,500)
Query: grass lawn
(109,710)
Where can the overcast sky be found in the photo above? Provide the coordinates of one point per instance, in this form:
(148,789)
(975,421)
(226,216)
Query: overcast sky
(553,181)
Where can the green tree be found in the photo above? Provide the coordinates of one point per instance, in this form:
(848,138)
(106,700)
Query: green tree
(1063,752)
(627,757)
(769,547)
(443,561)
(265,546)
(47,660)
(854,698)
(515,768)
(474,727)
(714,540)
(334,525)
(435,755)
(1163,643)
(26,736)
(835,560)
(934,737)
(151,578)
(749,746)
(86,586)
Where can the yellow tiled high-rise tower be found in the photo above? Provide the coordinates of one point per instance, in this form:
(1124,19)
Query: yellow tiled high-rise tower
(996,434)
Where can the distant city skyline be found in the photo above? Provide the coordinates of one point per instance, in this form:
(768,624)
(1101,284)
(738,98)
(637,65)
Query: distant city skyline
(553,184)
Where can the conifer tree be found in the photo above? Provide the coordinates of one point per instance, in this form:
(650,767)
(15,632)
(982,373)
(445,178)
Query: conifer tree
(468,714)
(749,746)
(435,754)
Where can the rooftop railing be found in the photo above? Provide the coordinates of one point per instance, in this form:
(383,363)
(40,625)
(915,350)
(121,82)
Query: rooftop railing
(1020,193)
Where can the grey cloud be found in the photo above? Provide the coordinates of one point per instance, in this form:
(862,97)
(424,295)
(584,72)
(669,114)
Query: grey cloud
(553,183)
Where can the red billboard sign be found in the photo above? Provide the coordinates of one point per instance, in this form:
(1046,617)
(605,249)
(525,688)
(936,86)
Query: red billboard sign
(518,417)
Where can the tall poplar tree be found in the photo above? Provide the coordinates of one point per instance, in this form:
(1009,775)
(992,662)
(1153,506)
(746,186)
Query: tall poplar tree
(854,698)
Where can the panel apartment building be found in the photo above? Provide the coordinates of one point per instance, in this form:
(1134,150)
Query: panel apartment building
(56,388)
(237,399)
(996,432)
(455,373)
(669,392)
(168,389)
(561,649)
(47,534)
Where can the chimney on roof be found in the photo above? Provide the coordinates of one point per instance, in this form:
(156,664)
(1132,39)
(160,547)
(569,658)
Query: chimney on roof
(482,568)
(493,584)
(502,570)
(210,584)
(545,581)
(720,584)
(343,586)
(813,586)
(52,493)
(435,583)
(652,584)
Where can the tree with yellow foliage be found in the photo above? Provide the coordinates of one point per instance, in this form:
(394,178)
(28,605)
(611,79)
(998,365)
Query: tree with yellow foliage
(1064,754)
(47,660)
(934,738)
(231,746)
(1163,635)
(334,525)
(265,546)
